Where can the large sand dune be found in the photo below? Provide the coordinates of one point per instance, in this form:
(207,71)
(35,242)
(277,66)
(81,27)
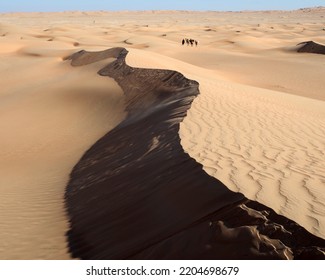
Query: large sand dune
(49,116)
(136,194)
(258,124)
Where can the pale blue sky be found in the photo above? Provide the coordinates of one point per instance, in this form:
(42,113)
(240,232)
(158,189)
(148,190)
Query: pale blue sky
(92,5)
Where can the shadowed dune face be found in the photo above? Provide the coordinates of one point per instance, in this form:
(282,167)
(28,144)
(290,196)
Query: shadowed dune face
(311,47)
(84,58)
(136,193)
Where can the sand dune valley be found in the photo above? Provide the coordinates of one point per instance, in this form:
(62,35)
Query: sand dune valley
(119,142)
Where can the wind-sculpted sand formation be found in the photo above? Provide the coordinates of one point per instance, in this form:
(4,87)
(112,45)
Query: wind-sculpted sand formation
(311,47)
(161,150)
(137,194)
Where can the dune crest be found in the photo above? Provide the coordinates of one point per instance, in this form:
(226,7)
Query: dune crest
(135,192)
(311,47)
(264,144)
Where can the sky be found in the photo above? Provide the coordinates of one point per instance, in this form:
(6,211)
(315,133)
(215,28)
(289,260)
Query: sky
(94,5)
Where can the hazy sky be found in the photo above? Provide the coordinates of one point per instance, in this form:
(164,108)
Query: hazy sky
(234,5)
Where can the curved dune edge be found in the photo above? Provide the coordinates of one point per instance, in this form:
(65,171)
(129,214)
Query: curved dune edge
(311,47)
(136,194)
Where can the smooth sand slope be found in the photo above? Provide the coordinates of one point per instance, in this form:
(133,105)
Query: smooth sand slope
(258,124)
(49,116)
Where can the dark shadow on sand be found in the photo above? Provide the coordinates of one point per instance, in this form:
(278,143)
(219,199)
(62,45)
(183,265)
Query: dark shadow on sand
(136,194)
(311,47)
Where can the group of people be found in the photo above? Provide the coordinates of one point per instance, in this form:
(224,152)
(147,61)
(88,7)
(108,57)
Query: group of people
(190,42)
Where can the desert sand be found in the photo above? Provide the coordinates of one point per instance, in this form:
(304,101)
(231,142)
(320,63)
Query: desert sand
(256,124)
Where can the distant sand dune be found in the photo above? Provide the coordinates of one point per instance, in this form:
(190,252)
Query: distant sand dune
(311,47)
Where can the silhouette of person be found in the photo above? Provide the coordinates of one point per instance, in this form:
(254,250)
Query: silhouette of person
(183,42)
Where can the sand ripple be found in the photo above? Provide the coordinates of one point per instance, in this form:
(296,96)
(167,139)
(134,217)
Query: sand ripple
(267,145)
(136,194)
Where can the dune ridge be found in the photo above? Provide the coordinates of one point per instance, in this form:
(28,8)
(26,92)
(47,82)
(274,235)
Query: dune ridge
(136,194)
(311,47)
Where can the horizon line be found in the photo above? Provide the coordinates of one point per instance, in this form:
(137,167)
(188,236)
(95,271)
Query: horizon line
(164,10)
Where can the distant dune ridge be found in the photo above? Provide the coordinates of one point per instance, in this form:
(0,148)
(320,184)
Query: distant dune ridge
(311,47)
(137,194)
(220,147)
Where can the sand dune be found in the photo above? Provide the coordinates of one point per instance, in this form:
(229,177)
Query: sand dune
(258,124)
(49,116)
(135,192)
(311,47)
(262,146)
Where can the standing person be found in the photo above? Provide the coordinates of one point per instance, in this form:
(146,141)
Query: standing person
(191,41)
(183,42)
(187,41)
(196,43)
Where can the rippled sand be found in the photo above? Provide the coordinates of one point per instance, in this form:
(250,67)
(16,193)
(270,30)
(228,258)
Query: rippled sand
(258,124)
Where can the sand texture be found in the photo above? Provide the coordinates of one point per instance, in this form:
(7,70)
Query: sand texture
(137,194)
(161,145)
